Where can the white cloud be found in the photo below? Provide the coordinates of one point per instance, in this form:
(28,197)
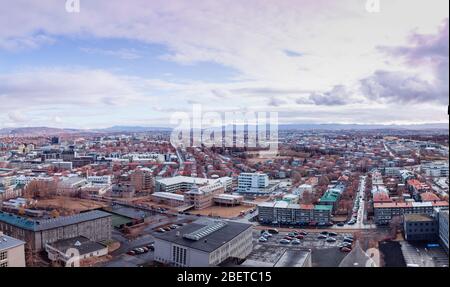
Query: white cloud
(296,50)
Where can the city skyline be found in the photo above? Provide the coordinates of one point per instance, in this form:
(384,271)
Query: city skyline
(137,63)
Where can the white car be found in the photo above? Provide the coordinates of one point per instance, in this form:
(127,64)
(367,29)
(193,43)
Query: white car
(262,239)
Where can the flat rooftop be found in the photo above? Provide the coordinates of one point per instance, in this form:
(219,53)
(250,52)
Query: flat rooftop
(418,217)
(264,255)
(207,243)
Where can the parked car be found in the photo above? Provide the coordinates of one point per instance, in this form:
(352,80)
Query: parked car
(262,239)
(263,231)
(131,252)
(351,222)
(331,239)
(288,238)
(295,242)
(302,232)
(345,249)
(273,231)
(292,234)
(321,236)
(151,247)
(332,234)
(299,236)
(161,230)
(145,249)
(167,229)
(285,241)
(324,232)
(267,235)
(341,224)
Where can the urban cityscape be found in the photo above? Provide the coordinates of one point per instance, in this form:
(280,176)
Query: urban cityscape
(167,134)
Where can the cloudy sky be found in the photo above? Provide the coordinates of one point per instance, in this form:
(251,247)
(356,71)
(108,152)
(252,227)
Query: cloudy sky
(137,62)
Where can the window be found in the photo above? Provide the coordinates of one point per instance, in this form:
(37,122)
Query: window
(3,255)
(4,264)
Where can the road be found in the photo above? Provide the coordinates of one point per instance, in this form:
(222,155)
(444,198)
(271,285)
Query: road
(360,196)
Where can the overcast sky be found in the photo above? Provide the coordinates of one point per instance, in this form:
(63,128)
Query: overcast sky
(136,62)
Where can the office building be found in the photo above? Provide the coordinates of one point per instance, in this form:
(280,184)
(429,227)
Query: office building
(204,243)
(420,227)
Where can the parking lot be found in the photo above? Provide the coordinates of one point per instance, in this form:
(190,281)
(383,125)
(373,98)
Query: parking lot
(309,241)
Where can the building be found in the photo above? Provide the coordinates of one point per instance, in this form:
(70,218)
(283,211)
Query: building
(123,190)
(435,169)
(180,183)
(253,183)
(264,255)
(204,243)
(71,185)
(228,199)
(420,227)
(167,198)
(203,197)
(104,179)
(142,180)
(385,211)
(95,225)
(80,248)
(443,228)
(12,251)
(285,213)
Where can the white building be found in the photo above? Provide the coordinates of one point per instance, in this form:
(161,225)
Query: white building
(12,251)
(204,243)
(253,183)
(435,169)
(105,179)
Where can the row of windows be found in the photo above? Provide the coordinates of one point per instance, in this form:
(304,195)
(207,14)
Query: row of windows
(3,255)
(179,255)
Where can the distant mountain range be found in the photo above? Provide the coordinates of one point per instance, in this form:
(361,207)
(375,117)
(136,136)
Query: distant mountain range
(35,131)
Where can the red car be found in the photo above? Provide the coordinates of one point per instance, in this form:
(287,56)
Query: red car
(288,238)
(346,249)
(299,236)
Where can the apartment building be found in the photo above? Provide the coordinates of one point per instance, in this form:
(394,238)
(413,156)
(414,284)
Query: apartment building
(142,180)
(204,243)
(254,183)
(282,212)
(385,211)
(203,197)
(12,251)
